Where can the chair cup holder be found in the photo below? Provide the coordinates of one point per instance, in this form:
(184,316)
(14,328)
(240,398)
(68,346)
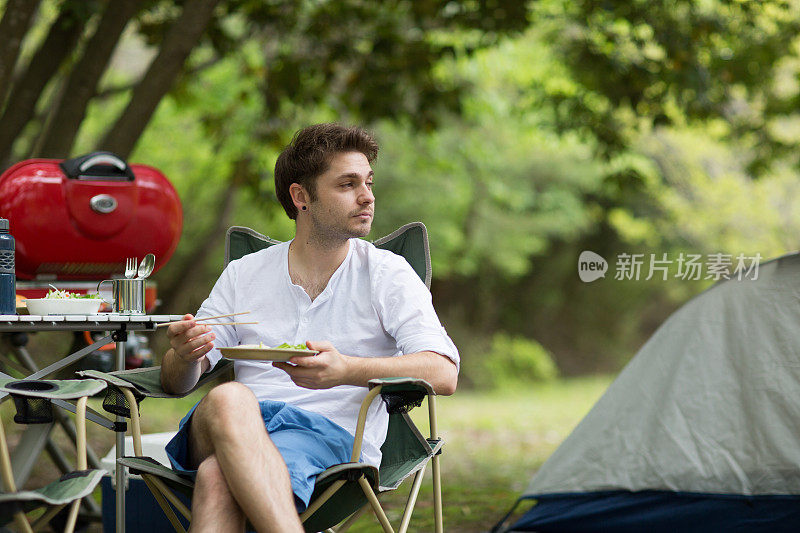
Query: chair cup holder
(32,410)
(116,403)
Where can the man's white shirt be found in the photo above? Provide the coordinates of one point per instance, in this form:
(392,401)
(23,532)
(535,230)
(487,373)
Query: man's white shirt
(374,305)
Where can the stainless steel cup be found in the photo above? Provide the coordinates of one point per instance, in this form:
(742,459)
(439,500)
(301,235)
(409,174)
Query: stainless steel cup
(128,295)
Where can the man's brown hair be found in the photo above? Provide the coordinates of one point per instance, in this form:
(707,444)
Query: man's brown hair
(309,155)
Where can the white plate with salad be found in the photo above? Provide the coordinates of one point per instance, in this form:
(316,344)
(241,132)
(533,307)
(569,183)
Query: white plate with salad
(262,352)
(58,302)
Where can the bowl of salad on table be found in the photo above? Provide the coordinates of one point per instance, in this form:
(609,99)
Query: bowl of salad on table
(58,302)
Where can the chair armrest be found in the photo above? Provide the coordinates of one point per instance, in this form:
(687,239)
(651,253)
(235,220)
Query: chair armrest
(110,379)
(143,383)
(401,385)
(54,389)
(402,394)
(146,382)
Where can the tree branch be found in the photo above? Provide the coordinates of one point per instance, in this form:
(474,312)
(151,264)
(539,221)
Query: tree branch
(192,267)
(117,89)
(21,105)
(84,77)
(13,27)
(182,36)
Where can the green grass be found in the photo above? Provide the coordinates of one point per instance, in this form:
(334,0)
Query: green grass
(494,442)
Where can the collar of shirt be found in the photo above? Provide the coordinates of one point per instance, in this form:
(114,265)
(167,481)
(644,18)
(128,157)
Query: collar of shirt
(301,297)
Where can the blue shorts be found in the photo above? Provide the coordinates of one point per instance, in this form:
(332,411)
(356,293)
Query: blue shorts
(309,443)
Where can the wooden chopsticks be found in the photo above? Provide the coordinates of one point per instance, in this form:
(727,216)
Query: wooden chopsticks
(228,323)
(211,318)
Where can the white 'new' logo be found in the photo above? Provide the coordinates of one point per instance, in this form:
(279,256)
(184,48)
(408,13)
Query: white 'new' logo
(591,266)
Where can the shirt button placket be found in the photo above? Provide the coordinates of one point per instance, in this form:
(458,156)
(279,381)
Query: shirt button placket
(302,326)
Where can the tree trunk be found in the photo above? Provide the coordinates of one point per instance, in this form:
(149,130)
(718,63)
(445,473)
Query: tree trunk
(21,105)
(182,36)
(84,77)
(193,264)
(179,291)
(13,27)
(197,69)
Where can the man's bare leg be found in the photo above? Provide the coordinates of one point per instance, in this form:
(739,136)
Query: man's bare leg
(228,426)
(214,509)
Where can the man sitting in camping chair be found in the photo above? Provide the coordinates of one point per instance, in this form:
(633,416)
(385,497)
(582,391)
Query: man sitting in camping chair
(329,290)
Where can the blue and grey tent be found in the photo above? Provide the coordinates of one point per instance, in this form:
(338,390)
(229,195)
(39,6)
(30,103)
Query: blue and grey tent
(700,431)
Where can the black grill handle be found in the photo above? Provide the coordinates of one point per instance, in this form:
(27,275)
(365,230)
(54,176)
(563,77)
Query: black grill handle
(97,166)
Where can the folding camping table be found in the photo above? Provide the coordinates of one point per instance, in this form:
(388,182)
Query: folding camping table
(37,437)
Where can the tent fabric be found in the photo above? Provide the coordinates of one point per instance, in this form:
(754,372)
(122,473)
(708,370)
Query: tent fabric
(662,512)
(709,405)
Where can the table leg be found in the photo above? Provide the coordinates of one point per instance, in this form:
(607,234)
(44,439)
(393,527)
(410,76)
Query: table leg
(24,357)
(119,469)
(28,450)
(66,361)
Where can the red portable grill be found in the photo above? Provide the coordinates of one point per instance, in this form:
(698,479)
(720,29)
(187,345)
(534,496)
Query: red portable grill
(80,219)
(76,221)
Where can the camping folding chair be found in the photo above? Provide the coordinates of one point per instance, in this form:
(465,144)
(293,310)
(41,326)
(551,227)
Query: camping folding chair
(343,492)
(33,401)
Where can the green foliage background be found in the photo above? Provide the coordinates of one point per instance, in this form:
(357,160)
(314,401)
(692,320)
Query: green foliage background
(520,134)
(598,139)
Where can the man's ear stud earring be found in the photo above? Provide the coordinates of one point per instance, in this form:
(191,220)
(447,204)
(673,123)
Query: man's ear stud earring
(304,208)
